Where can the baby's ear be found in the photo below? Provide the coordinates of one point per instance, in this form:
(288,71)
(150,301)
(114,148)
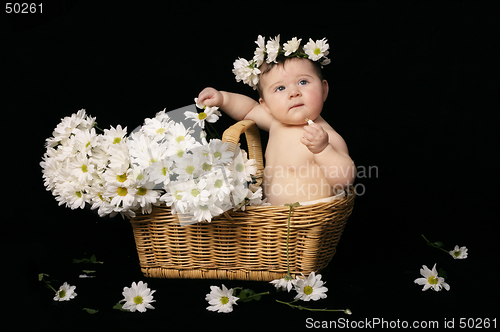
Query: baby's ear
(264,106)
(325,90)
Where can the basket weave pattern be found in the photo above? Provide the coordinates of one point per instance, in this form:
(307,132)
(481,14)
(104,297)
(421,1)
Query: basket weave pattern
(242,245)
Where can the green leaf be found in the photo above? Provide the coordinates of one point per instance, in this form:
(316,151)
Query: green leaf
(88,271)
(41,276)
(92,260)
(442,273)
(439,244)
(119,306)
(90,311)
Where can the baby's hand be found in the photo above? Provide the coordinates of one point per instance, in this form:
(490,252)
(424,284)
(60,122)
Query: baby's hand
(210,97)
(315,138)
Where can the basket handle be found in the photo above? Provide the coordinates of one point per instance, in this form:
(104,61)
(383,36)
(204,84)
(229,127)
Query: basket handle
(232,135)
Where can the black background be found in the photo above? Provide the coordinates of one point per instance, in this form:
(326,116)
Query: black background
(413,91)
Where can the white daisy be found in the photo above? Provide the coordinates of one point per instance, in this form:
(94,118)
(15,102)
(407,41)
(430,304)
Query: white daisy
(259,53)
(205,211)
(246,72)
(311,288)
(69,126)
(50,169)
(285,283)
(187,167)
(114,135)
(431,279)
(316,50)
(85,141)
(146,197)
(209,114)
(459,252)
(291,46)
(145,151)
(221,300)
(121,196)
(219,184)
(118,176)
(242,167)
(272,49)
(65,293)
(175,197)
(118,157)
(160,172)
(139,297)
(181,136)
(158,126)
(219,151)
(72,194)
(81,168)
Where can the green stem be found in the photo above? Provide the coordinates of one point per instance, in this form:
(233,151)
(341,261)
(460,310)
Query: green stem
(433,245)
(48,285)
(347,311)
(256,295)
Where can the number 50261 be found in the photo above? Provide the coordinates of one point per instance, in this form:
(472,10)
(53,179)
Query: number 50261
(23,8)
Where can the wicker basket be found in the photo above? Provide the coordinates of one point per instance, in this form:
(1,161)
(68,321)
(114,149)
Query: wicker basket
(242,245)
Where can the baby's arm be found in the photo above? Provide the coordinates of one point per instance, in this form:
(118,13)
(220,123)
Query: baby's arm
(331,154)
(237,106)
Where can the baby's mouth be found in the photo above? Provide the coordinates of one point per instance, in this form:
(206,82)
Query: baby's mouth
(296,106)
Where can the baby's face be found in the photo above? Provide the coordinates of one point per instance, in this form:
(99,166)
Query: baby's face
(293,92)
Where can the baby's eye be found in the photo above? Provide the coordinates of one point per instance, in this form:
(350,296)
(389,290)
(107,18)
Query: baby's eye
(280,88)
(303,82)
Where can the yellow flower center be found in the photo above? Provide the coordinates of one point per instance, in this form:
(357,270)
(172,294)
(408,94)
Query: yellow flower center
(121,177)
(432,280)
(218,155)
(78,193)
(195,192)
(160,131)
(164,171)
(218,183)
(138,299)
(117,140)
(240,167)
(84,168)
(141,191)
(317,51)
(178,195)
(456,253)
(308,290)
(122,191)
(206,167)
(62,293)
(202,115)
(179,139)
(224,300)
(190,169)
(180,153)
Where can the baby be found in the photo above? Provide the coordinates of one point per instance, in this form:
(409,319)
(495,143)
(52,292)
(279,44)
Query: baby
(306,160)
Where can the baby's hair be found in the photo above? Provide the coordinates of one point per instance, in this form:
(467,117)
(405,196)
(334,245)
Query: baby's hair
(280,61)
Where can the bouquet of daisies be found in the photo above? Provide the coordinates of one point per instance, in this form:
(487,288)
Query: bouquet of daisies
(160,162)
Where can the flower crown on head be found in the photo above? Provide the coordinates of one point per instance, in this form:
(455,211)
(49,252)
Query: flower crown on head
(248,71)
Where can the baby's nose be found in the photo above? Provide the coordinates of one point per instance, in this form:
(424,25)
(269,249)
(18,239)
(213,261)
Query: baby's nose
(294,93)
